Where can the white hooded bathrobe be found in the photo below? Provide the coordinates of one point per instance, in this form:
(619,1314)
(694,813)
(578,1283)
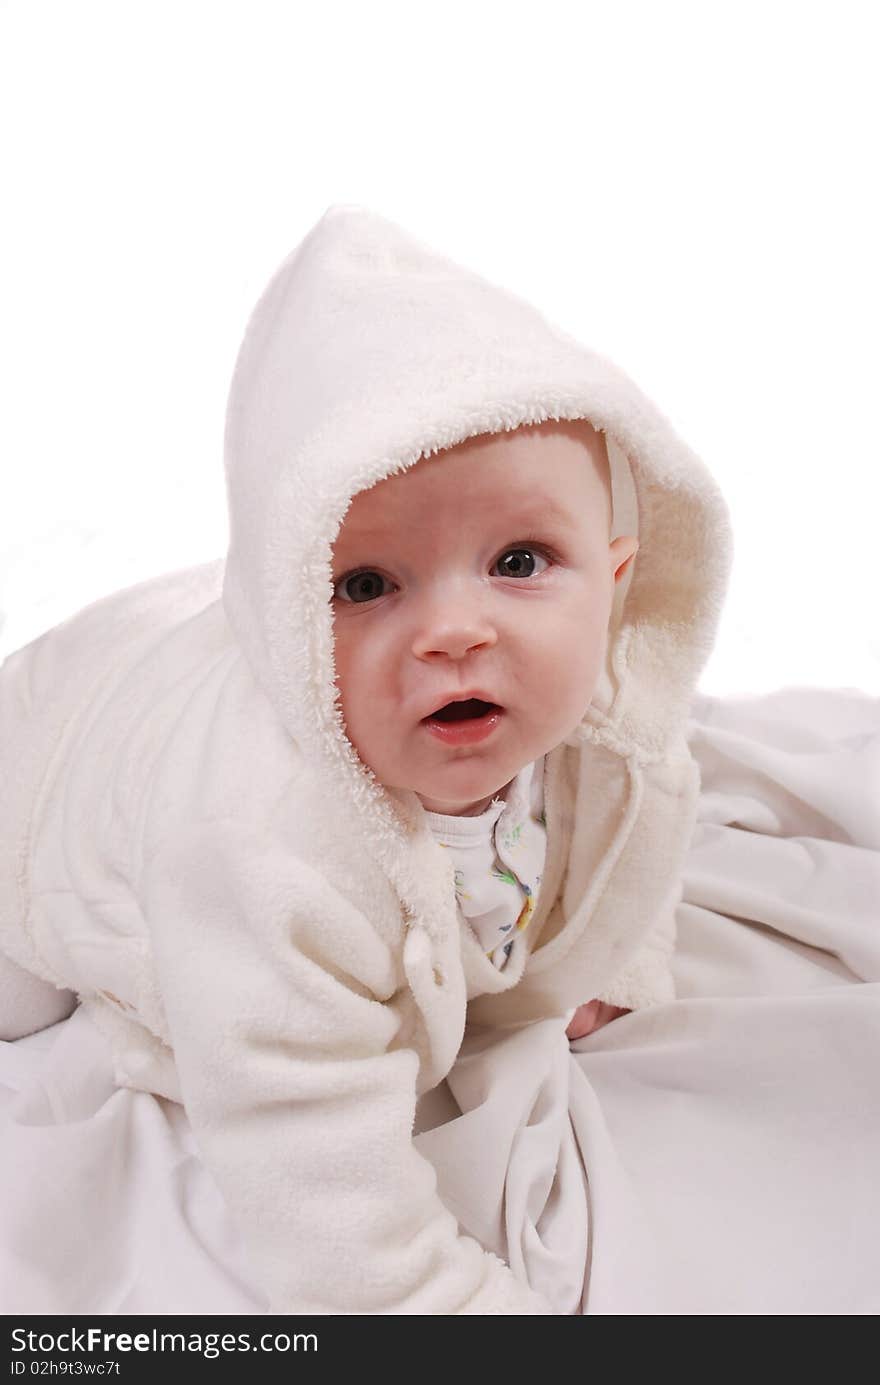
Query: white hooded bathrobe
(191,845)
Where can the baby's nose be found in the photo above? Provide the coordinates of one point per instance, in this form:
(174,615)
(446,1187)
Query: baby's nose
(454,630)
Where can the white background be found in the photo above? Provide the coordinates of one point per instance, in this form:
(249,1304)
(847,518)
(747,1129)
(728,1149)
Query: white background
(690,189)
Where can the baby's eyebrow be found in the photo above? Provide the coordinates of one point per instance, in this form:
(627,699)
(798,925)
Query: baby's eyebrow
(538,509)
(523,510)
(530,511)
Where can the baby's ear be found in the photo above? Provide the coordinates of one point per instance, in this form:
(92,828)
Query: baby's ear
(622,551)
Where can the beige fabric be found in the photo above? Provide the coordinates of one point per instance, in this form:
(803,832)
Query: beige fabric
(730,1140)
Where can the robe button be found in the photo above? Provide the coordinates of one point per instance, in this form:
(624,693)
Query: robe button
(439,976)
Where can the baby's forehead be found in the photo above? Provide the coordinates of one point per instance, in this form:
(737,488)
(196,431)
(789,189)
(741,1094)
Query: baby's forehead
(555,472)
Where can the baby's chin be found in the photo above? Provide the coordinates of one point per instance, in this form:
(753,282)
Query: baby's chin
(462,786)
(458,800)
(466,798)
(457,808)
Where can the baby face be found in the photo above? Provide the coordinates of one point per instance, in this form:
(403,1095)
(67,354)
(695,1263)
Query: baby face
(485,570)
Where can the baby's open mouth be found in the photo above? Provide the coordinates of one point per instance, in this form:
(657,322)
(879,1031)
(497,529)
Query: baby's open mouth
(462,711)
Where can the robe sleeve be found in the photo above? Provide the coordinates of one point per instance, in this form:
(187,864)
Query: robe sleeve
(647,977)
(275,989)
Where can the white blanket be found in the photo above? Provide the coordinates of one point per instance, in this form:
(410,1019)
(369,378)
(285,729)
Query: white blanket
(717,1155)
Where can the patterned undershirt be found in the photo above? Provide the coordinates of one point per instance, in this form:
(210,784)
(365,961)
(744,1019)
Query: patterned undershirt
(499,857)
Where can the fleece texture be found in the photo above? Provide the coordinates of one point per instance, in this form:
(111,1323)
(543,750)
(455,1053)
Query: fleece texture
(191,844)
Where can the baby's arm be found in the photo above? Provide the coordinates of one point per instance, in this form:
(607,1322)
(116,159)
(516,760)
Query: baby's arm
(300,1108)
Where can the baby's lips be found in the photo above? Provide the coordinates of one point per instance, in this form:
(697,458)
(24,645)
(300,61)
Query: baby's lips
(474,695)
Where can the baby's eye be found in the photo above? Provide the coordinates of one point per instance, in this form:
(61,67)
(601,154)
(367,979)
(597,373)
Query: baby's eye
(359,587)
(523,561)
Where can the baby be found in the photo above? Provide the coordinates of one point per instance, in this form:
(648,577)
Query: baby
(407,768)
(482,578)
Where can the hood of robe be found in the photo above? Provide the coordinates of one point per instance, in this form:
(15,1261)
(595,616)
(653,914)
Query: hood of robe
(369,350)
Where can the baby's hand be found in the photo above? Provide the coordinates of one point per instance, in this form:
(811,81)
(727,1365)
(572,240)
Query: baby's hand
(591,1016)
